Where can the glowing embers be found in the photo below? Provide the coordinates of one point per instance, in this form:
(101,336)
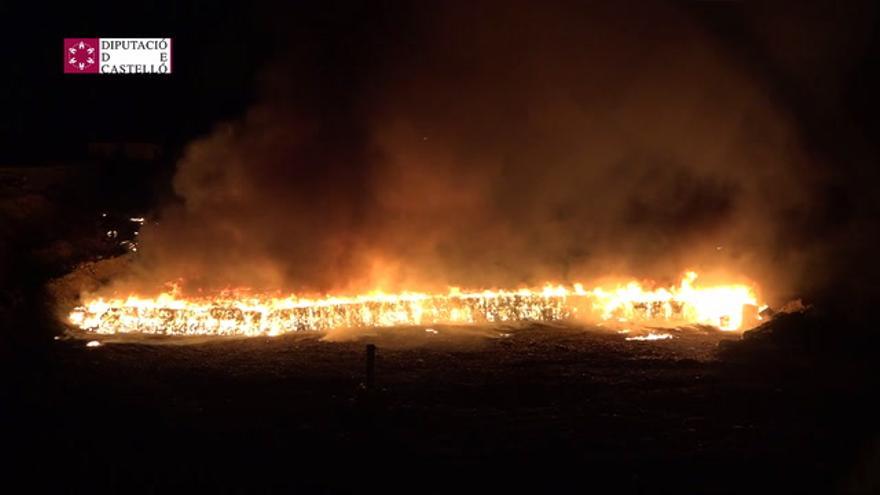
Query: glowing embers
(651,336)
(727,307)
(273,316)
(239,314)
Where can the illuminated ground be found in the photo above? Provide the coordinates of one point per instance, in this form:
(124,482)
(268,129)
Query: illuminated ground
(513,409)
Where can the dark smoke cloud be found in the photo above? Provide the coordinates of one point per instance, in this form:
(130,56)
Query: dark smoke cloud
(495,144)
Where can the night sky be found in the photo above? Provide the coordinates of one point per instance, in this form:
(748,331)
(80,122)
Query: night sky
(818,57)
(343,67)
(216,44)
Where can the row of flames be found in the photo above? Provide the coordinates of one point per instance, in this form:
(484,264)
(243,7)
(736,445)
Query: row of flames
(728,307)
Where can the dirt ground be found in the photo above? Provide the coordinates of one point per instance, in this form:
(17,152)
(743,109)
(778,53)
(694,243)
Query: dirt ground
(532,408)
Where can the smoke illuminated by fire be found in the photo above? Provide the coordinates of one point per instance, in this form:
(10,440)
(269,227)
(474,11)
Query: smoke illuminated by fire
(728,307)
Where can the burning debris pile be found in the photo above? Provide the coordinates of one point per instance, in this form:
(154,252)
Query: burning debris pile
(729,307)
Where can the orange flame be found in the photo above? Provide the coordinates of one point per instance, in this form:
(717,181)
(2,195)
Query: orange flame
(239,313)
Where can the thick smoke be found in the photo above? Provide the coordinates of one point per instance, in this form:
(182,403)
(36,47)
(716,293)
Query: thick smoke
(493,145)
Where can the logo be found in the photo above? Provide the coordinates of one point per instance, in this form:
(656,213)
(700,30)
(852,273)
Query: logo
(81,55)
(117,55)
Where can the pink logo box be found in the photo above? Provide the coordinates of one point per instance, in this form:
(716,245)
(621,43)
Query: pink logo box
(81,55)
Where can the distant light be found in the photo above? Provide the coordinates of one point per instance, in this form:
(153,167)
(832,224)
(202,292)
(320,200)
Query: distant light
(137,219)
(93,343)
(431,330)
(104,215)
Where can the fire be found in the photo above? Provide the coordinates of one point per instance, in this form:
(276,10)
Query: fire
(728,307)
(722,306)
(652,336)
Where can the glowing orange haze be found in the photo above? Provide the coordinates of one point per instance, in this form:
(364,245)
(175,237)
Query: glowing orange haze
(728,307)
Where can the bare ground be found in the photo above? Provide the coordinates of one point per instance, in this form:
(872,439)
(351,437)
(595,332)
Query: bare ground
(503,409)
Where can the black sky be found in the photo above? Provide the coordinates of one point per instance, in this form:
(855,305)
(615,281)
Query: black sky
(819,56)
(332,63)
